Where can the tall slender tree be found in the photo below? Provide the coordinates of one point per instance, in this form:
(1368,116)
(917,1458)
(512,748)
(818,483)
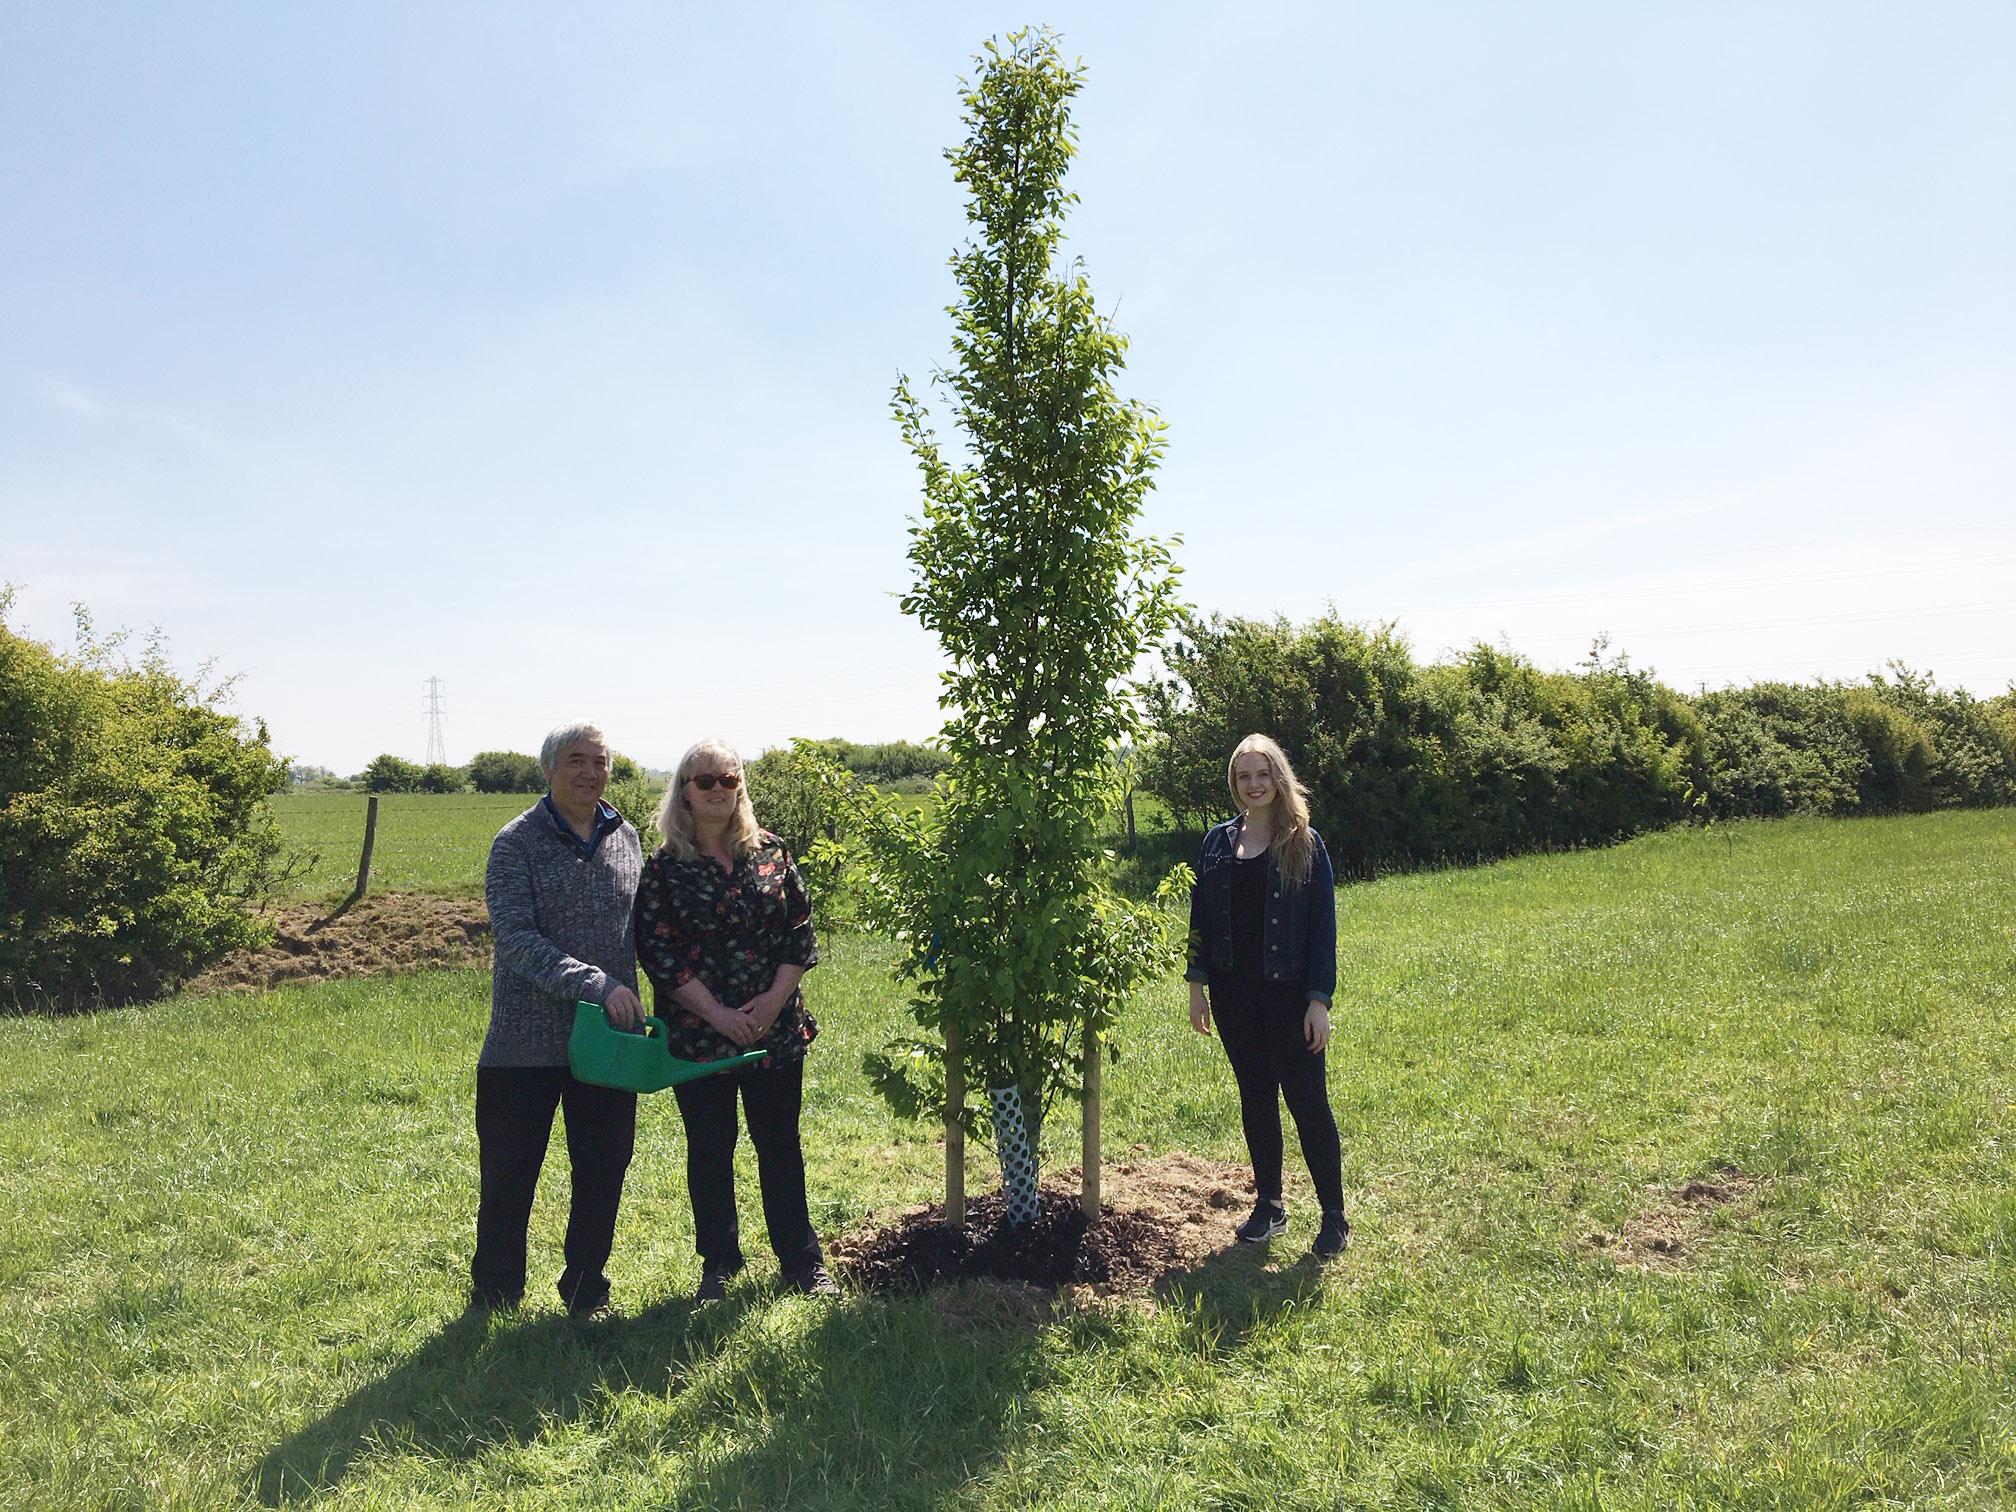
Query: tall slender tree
(1028,568)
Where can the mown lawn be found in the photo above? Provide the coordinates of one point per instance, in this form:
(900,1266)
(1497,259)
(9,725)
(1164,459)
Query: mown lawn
(233,1235)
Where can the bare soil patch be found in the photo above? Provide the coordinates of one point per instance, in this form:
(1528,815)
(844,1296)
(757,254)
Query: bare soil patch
(391,932)
(1670,1229)
(1156,1218)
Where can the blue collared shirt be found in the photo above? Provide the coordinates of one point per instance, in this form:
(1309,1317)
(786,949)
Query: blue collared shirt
(607,820)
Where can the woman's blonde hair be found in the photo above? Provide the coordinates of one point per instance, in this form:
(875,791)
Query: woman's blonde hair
(1293,845)
(675,818)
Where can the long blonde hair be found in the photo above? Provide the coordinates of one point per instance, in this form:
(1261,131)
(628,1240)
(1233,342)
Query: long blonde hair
(675,818)
(1293,846)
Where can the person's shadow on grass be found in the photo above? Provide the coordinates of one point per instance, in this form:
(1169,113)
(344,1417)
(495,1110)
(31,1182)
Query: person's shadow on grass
(480,1383)
(882,1400)
(1232,1290)
(896,1400)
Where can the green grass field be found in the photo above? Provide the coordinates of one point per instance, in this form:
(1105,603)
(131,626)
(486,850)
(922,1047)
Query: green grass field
(233,1235)
(426,842)
(438,842)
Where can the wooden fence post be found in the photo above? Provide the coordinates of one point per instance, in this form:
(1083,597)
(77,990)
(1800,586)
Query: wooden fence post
(955,1132)
(1088,1163)
(364,861)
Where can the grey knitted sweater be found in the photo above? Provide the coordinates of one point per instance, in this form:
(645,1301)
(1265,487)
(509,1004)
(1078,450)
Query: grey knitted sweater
(560,922)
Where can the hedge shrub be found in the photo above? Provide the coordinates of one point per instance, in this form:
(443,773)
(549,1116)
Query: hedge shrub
(134,831)
(1487,755)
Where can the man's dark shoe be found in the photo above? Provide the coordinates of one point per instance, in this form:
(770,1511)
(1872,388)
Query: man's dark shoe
(1269,1219)
(1333,1238)
(714,1281)
(587,1303)
(812,1280)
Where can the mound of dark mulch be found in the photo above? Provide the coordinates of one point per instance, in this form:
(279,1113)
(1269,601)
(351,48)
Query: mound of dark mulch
(1127,1249)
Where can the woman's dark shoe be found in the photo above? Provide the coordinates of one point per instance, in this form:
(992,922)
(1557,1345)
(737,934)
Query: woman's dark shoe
(714,1281)
(813,1280)
(1333,1238)
(1269,1219)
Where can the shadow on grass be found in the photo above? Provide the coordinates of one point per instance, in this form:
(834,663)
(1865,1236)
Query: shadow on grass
(880,1403)
(1235,1289)
(472,1387)
(889,1403)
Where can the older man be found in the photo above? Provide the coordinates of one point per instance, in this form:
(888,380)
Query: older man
(560,884)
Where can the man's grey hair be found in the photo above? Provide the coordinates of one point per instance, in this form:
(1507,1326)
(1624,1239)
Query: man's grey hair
(563,736)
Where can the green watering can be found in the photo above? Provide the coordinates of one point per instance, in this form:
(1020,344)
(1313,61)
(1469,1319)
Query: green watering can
(599,1052)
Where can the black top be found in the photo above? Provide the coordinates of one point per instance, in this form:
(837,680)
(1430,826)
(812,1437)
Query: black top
(1298,932)
(1249,917)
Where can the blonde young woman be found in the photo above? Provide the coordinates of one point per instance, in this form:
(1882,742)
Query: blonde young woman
(1263,963)
(724,932)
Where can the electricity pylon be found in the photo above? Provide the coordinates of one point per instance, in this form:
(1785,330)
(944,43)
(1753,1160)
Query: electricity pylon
(437,746)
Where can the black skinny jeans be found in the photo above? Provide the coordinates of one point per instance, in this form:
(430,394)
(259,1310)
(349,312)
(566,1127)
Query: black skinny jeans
(1260,1025)
(514,1121)
(772,1100)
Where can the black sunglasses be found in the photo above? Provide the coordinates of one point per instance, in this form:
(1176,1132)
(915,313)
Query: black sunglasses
(705,780)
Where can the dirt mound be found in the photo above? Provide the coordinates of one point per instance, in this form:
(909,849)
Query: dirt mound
(1673,1224)
(1156,1217)
(394,932)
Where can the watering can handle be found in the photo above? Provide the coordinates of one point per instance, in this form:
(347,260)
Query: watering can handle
(650,1026)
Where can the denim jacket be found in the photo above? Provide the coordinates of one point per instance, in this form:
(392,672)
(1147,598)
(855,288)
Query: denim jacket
(1299,941)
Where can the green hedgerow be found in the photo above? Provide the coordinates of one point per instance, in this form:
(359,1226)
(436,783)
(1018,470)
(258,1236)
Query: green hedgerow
(134,828)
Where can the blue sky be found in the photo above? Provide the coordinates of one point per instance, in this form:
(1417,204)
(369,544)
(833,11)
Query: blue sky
(548,350)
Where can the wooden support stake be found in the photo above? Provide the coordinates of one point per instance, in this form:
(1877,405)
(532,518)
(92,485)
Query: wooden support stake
(364,861)
(955,1132)
(1088,1164)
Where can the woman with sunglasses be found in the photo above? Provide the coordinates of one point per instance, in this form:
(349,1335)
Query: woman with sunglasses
(724,932)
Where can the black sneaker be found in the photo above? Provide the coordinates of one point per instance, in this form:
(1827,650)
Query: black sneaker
(1269,1219)
(1333,1238)
(714,1281)
(813,1280)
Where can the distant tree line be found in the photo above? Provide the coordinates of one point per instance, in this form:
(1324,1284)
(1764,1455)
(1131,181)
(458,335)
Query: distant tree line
(901,765)
(1487,755)
(485,772)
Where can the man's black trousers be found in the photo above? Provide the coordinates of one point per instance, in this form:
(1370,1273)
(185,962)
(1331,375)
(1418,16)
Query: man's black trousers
(514,1121)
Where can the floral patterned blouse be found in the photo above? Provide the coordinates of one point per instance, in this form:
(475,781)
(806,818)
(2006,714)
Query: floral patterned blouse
(732,930)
